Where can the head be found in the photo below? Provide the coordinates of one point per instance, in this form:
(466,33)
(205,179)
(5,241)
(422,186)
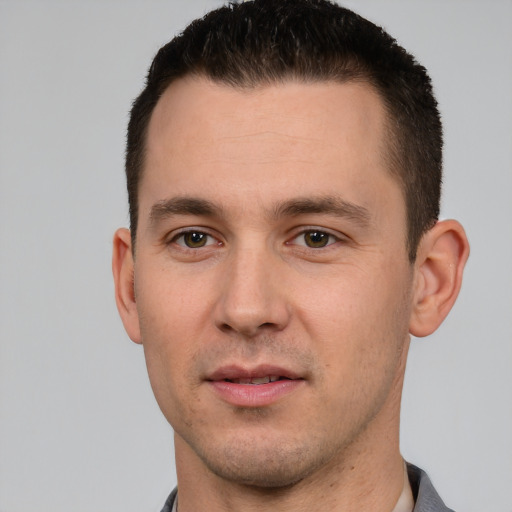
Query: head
(283,167)
(264,42)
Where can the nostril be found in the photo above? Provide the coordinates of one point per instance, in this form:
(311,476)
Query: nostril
(247,330)
(226,327)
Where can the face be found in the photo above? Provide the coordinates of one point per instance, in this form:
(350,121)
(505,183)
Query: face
(272,284)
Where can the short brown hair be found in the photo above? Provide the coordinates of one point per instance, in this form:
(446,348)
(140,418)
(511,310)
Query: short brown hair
(263,42)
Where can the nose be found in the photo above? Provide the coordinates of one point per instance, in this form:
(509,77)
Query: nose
(252,298)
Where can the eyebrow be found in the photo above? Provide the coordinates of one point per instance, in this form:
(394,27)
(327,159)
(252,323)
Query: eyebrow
(182,206)
(331,205)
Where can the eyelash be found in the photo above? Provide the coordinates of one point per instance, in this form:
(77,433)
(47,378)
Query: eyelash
(331,239)
(181,235)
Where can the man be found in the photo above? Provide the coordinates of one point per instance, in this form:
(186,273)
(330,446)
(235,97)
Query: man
(284,168)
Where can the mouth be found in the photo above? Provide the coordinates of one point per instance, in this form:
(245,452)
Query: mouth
(254,387)
(257,380)
(261,374)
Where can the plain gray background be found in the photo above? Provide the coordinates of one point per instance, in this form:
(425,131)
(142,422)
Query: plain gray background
(79,428)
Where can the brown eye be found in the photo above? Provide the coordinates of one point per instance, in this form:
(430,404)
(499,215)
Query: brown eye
(194,239)
(316,239)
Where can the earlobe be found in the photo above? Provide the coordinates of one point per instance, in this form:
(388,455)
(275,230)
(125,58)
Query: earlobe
(442,255)
(123,270)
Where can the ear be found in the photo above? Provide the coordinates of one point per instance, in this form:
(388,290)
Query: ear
(442,254)
(123,270)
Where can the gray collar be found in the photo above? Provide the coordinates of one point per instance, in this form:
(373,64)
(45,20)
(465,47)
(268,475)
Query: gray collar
(425,496)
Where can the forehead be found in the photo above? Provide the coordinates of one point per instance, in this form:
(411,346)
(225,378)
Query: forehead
(195,107)
(267,141)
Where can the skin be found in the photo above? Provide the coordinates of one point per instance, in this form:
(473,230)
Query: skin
(299,261)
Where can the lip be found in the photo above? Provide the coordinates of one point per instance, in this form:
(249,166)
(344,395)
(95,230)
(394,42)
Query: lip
(242,372)
(253,395)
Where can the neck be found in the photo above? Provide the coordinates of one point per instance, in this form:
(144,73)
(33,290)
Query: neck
(362,486)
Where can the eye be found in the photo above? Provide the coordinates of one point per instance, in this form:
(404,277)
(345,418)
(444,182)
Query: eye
(194,239)
(314,239)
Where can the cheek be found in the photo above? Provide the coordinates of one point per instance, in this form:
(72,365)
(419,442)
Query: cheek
(168,358)
(166,320)
(169,304)
(357,317)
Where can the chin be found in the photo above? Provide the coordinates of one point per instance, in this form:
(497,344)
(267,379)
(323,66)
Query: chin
(268,465)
